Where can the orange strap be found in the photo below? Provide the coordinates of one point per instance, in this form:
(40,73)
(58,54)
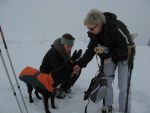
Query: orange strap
(28,71)
(47,81)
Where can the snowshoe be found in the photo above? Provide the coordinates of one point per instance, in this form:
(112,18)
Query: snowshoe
(60,94)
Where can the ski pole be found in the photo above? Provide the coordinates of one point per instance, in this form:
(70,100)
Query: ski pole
(130,69)
(128,91)
(128,87)
(11,84)
(13,70)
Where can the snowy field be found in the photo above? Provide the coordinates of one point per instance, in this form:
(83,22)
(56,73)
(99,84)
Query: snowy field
(30,52)
(31,26)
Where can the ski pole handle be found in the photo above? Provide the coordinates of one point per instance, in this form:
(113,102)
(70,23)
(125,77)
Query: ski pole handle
(3,37)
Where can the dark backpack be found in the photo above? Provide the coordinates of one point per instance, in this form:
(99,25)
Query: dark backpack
(115,24)
(97,89)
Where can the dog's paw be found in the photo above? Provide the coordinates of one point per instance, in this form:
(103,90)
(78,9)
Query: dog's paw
(54,107)
(40,98)
(48,112)
(31,101)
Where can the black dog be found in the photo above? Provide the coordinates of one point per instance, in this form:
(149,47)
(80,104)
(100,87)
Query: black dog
(46,84)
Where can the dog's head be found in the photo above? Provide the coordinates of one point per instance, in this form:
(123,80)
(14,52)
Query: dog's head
(70,62)
(67,67)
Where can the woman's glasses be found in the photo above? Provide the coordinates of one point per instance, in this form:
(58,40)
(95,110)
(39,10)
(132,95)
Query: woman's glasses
(92,28)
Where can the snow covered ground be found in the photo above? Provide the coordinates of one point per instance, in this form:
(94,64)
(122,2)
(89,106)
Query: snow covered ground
(31,52)
(31,26)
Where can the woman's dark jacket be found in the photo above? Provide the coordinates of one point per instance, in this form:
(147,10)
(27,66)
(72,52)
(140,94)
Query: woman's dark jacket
(109,37)
(51,60)
(54,58)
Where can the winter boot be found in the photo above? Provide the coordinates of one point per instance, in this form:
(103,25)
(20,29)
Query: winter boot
(69,91)
(61,94)
(106,109)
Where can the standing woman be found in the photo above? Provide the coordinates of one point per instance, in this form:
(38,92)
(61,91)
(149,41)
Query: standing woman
(104,34)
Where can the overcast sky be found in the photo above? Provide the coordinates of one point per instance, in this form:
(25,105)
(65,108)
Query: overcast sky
(52,18)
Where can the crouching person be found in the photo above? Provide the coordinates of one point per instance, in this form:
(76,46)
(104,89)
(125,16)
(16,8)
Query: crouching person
(44,83)
(59,52)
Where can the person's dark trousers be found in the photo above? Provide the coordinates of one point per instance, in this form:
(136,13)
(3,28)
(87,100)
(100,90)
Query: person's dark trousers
(69,82)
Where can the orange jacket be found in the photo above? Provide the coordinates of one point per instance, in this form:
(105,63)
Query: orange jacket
(37,79)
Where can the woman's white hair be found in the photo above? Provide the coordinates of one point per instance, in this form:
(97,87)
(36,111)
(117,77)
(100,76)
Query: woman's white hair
(94,17)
